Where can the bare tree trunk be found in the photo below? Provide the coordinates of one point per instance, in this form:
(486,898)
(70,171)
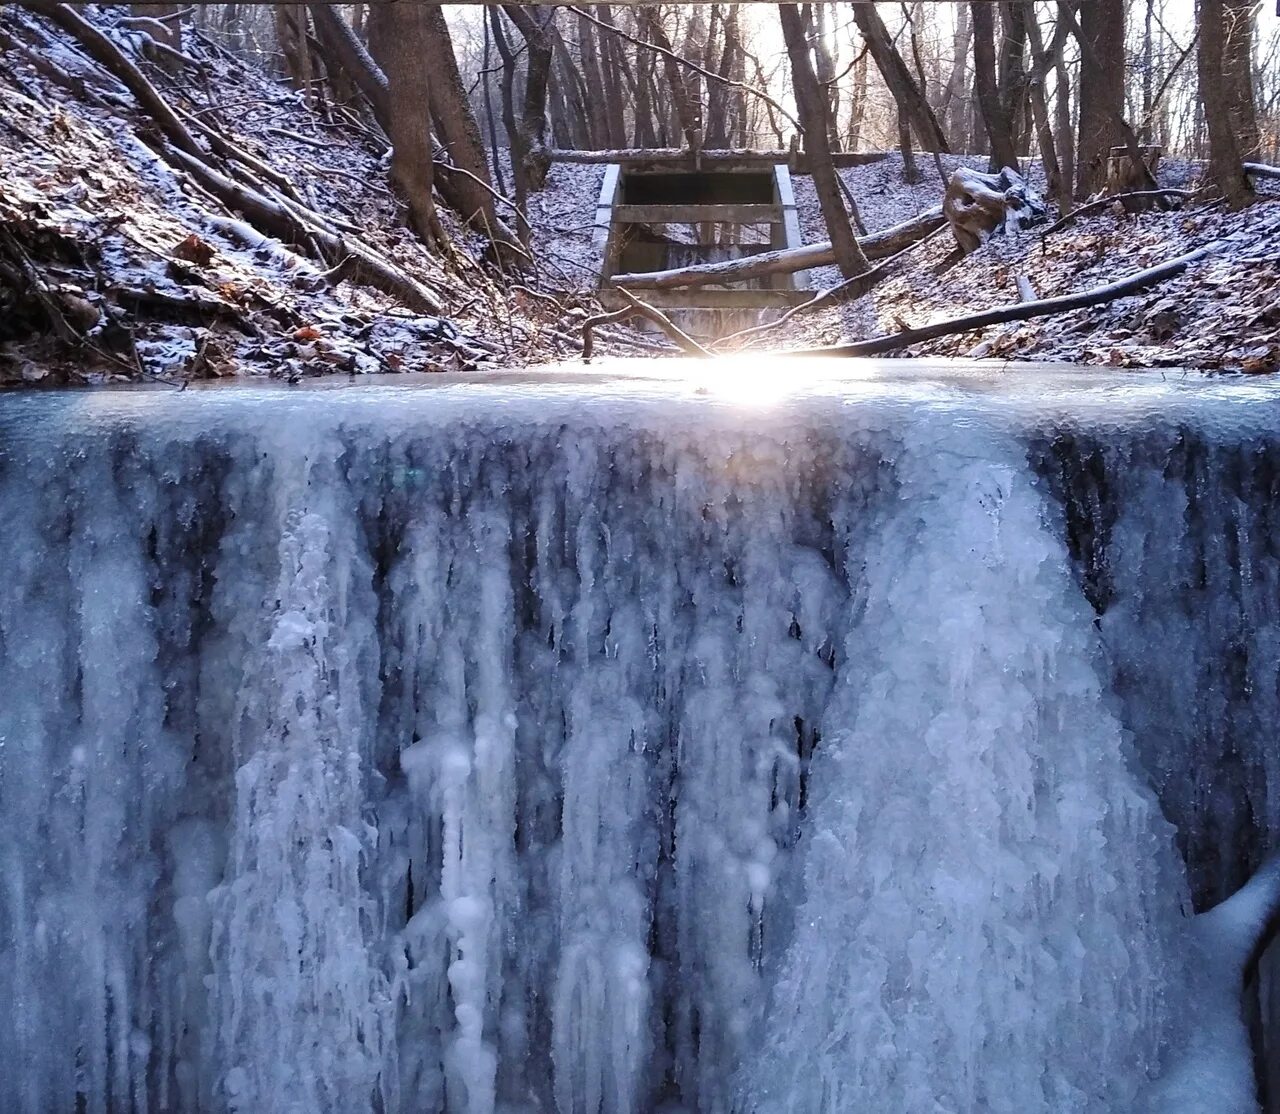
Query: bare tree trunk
(994,114)
(490,29)
(1013,75)
(910,171)
(1102,74)
(613,63)
(1238,58)
(858,109)
(574,88)
(1057,185)
(407,103)
(645,132)
(1064,132)
(1148,66)
(1219,93)
(826,70)
(470,192)
(953,98)
(532,128)
(346,52)
(683,101)
(593,76)
(812,105)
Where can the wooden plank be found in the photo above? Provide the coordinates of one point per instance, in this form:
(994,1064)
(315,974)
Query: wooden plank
(604,208)
(791,238)
(705,298)
(694,214)
(720,159)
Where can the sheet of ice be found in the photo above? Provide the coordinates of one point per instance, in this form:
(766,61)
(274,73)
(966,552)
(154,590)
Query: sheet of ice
(603,746)
(990,898)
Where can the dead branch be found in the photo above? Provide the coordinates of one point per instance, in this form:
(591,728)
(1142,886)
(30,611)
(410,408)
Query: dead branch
(39,289)
(677,335)
(1114,199)
(1023,311)
(850,290)
(590,325)
(636,308)
(879,245)
(1262,170)
(290,223)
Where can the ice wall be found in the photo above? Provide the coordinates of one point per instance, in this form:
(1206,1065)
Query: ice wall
(456,752)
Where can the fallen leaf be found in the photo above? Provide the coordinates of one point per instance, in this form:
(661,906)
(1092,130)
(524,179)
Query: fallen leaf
(194,250)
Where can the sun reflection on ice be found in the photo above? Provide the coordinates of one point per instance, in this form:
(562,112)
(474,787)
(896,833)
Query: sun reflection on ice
(759,379)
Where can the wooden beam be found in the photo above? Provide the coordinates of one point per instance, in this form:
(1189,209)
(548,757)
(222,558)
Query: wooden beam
(720,159)
(695,214)
(714,299)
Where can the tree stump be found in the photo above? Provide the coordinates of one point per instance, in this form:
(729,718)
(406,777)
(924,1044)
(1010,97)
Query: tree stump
(1124,177)
(976,205)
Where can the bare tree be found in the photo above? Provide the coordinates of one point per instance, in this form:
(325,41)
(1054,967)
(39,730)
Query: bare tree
(1223,26)
(986,82)
(1102,84)
(811,102)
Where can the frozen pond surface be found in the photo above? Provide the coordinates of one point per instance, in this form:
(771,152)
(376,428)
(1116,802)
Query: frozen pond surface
(751,736)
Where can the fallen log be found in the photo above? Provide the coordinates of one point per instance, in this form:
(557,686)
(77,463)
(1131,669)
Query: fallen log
(1023,311)
(292,224)
(1262,170)
(850,290)
(878,245)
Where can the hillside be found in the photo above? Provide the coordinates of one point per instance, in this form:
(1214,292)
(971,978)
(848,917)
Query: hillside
(122,260)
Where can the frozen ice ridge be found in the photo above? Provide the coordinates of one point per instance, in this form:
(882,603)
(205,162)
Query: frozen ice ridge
(617,752)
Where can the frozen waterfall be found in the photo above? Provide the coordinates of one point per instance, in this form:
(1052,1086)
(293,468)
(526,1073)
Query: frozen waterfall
(603,744)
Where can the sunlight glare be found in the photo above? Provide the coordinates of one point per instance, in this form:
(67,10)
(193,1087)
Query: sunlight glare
(758,379)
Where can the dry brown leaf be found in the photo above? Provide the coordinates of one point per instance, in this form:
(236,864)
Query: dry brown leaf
(194,250)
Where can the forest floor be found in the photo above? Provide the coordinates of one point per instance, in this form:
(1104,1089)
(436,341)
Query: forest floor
(1221,313)
(138,272)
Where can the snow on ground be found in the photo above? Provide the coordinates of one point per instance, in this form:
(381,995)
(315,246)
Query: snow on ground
(1223,313)
(183,288)
(83,179)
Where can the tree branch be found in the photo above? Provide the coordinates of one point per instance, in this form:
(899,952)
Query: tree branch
(1023,311)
